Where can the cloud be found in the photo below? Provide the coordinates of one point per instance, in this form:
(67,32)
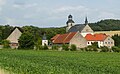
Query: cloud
(71,9)
(10,20)
(2,2)
(106,15)
(24,6)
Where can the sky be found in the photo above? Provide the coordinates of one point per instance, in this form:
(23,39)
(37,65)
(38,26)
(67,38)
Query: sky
(54,13)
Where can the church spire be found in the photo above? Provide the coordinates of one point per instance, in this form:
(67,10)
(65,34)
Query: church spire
(86,21)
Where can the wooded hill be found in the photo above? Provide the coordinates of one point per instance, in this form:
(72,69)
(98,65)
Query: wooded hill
(103,25)
(106,25)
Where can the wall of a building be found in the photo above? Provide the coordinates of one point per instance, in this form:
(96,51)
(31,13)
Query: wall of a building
(86,30)
(14,36)
(109,42)
(79,41)
(44,42)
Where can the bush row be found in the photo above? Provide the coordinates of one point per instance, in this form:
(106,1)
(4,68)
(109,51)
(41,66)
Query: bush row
(101,49)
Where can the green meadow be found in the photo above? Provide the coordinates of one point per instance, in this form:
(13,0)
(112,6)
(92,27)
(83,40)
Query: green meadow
(59,62)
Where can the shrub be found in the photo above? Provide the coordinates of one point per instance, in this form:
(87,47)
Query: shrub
(45,47)
(73,47)
(95,49)
(82,49)
(95,44)
(65,47)
(87,49)
(55,47)
(5,43)
(115,49)
(105,49)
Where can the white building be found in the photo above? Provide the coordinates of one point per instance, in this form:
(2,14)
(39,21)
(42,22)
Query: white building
(44,40)
(101,39)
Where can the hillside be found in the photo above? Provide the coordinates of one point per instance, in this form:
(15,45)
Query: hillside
(106,25)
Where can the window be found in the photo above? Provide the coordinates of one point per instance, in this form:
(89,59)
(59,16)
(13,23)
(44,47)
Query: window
(111,42)
(108,39)
(88,42)
(108,42)
(105,42)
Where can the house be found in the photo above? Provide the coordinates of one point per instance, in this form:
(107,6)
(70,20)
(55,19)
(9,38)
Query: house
(70,38)
(101,39)
(14,36)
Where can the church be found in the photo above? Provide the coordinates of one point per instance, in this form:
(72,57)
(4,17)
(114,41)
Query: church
(84,29)
(81,35)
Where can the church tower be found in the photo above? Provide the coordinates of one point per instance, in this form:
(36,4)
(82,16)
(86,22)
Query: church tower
(44,40)
(70,22)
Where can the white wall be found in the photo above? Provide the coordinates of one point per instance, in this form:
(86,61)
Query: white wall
(44,42)
(100,43)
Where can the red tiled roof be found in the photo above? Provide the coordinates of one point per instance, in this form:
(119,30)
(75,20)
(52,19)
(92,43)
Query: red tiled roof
(53,38)
(95,37)
(63,38)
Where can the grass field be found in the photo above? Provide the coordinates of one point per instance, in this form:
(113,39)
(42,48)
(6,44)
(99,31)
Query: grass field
(59,62)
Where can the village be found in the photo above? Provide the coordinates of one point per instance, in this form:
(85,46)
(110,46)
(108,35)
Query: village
(80,35)
(59,37)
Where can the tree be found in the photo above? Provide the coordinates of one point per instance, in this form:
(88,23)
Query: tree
(38,44)
(5,43)
(26,41)
(116,38)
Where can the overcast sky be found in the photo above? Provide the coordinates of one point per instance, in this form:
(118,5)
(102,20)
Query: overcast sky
(53,13)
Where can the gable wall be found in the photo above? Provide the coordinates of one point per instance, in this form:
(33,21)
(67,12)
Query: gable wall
(86,30)
(109,42)
(14,36)
(79,41)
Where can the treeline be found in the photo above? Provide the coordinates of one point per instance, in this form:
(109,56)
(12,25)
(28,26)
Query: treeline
(6,30)
(103,25)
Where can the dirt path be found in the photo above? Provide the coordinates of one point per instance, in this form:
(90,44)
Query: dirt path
(3,71)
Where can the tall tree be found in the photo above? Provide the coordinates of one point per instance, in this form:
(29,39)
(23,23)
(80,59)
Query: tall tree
(26,41)
(117,40)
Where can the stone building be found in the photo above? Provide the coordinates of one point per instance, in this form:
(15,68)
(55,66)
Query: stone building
(70,38)
(14,36)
